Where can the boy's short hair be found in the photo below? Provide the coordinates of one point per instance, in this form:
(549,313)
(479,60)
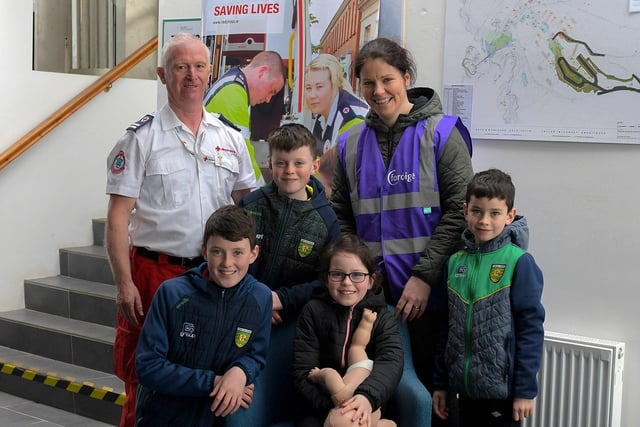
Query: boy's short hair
(492,184)
(292,136)
(232,223)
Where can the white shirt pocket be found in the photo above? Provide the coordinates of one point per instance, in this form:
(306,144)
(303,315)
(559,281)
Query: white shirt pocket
(168,182)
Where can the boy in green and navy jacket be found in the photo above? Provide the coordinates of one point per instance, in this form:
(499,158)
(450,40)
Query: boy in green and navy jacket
(491,350)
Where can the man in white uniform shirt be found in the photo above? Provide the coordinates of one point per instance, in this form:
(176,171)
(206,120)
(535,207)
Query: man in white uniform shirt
(166,175)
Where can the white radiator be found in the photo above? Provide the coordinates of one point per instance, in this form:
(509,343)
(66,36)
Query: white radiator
(580,383)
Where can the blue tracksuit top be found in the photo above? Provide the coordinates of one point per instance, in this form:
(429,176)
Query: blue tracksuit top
(195,331)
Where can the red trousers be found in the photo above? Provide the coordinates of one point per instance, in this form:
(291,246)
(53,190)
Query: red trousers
(147,274)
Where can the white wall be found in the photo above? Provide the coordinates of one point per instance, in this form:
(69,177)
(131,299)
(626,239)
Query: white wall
(580,199)
(50,194)
(581,202)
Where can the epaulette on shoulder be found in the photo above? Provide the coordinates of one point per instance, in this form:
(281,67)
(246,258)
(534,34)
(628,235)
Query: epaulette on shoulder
(148,118)
(228,122)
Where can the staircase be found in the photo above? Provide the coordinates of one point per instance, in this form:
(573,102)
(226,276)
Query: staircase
(58,351)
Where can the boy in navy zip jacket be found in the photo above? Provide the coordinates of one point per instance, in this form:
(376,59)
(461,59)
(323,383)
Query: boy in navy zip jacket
(206,335)
(491,351)
(294,221)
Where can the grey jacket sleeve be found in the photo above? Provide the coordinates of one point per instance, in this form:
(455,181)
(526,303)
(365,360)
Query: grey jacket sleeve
(454,173)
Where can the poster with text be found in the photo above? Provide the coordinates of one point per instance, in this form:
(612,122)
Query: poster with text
(317,42)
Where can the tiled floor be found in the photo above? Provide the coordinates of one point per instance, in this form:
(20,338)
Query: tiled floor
(18,412)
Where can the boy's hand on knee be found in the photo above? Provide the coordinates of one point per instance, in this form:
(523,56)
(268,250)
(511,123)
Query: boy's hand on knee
(247,396)
(228,392)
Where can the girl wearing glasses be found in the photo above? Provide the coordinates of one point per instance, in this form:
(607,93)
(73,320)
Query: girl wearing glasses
(348,332)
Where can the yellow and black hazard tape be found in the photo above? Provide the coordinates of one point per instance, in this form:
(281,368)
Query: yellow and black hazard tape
(86,389)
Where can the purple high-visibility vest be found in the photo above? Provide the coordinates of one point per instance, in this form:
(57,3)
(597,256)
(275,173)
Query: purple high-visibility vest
(396,209)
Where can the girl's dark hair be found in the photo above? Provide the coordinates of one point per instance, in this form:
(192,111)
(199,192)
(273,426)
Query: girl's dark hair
(390,52)
(350,244)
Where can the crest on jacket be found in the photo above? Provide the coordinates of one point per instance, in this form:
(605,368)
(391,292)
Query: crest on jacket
(496,272)
(242,337)
(305,247)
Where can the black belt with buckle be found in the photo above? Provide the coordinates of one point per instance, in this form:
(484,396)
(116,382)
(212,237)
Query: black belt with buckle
(175,260)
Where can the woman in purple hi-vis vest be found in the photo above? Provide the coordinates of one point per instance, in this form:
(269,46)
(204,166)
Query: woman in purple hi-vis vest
(400,184)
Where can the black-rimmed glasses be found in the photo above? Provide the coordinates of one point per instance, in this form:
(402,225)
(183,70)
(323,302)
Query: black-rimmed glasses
(355,277)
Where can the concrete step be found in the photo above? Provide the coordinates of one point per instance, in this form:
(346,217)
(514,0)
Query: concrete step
(72,298)
(67,340)
(58,351)
(86,392)
(86,262)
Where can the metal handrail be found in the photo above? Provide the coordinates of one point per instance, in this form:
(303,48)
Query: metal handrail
(104,82)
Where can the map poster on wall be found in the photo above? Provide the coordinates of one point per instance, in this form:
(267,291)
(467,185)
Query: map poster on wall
(544,70)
